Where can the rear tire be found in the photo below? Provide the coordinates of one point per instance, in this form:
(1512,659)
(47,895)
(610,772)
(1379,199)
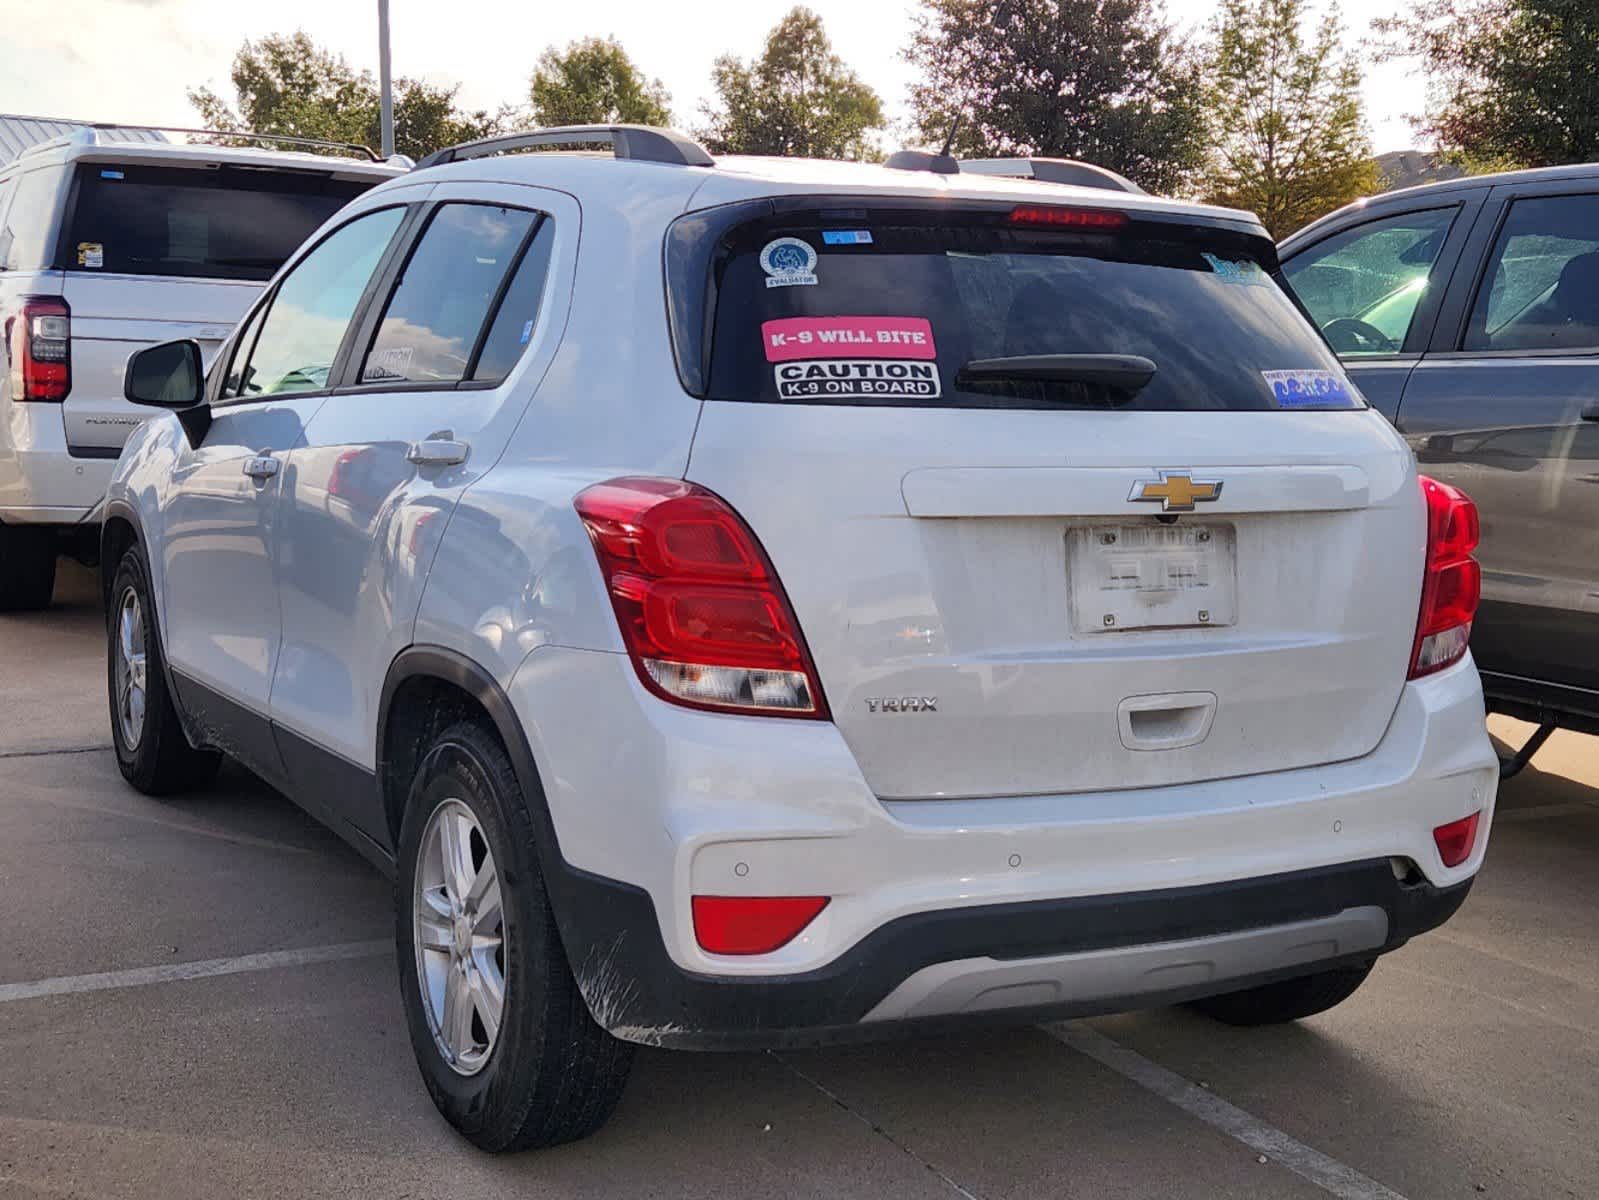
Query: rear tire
(1288,1000)
(27,567)
(152,752)
(526,1066)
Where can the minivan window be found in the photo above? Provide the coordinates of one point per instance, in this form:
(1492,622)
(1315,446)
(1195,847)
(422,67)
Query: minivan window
(217,222)
(441,301)
(1541,289)
(28,222)
(876,307)
(311,310)
(1363,286)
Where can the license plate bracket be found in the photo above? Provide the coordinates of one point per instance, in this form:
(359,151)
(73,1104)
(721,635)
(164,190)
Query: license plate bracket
(1148,575)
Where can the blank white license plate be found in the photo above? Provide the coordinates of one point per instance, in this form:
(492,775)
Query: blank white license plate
(1149,576)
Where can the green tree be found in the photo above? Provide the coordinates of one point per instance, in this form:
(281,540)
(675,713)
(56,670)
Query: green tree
(286,83)
(1288,135)
(797,98)
(1509,82)
(1103,81)
(594,82)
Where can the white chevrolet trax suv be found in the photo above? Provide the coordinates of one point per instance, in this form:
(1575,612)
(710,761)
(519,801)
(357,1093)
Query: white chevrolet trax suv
(753,603)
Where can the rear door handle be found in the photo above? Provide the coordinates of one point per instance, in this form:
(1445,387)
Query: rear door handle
(437,452)
(262,467)
(1591,413)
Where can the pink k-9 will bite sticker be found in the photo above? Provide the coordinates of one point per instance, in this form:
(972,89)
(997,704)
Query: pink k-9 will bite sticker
(791,338)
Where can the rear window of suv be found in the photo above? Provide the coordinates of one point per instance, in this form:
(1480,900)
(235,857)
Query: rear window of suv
(877,306)
(221,222)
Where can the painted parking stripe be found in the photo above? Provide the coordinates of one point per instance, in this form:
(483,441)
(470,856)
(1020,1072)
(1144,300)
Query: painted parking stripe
(64,985)
(1326,1173)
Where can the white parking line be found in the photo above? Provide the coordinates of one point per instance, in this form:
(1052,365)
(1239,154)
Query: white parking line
(64,985)
(1326,1173)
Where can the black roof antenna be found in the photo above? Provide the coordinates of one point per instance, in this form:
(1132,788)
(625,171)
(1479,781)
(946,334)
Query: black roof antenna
(954,128)
(942,163)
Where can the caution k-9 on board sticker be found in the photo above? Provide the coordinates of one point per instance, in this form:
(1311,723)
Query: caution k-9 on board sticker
(847,357)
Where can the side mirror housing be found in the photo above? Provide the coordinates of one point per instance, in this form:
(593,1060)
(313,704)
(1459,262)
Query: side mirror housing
(169,375)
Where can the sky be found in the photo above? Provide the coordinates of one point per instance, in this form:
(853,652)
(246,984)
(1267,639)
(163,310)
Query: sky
(132,61)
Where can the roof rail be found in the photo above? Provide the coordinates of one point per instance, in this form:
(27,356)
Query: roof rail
(95,131)
(1045,170)
(637,143)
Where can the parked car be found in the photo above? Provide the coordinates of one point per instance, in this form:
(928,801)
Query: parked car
(768,602)
(1468,313)
(107,245)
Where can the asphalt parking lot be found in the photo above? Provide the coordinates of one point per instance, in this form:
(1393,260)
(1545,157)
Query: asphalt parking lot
(1468,1065)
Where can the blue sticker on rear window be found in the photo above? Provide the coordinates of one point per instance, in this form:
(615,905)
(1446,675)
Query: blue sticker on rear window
(1240,271)
(846,237)
(111,175)
(1310,389)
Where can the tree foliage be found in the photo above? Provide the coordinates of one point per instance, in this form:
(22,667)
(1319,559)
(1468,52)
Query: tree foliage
(286,83)
(1509,82)
(594,82)
(1100,80)
(1288,135)
(797,98)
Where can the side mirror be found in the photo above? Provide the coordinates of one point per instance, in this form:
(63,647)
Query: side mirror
(170,375)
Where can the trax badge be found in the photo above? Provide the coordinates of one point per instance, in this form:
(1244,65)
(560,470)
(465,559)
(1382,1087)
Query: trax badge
(1175,490)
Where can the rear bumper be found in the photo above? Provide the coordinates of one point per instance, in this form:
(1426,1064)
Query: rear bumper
(1169,892)
(41,483)
(1046,959)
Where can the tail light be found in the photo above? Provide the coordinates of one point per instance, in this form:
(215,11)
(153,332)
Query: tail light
(1457,839)
(1067,218)
(701,610)
(40,338)
(1452,583)
(752,924)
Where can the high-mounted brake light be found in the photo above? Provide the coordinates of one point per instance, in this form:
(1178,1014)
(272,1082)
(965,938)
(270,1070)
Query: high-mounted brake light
(701,610)
(1067,218)
(1452,582)
(40,338)
(752,924)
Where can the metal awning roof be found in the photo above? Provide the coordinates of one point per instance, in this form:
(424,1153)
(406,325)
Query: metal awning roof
(17,133)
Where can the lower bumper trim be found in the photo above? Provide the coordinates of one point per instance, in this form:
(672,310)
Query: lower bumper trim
(1271,927)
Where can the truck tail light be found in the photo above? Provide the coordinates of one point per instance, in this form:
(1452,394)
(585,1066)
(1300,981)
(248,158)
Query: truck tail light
(752,924)
(701,610)
(40,339)
(1452,583)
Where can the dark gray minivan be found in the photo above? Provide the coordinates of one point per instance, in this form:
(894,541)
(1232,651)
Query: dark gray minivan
(1468,312)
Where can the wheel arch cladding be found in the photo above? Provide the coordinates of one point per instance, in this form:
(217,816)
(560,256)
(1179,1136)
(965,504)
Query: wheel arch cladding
(427,689)
(116,536)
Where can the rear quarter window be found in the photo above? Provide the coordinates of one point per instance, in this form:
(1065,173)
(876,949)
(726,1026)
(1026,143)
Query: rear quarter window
(25,235)
(219,222)
(893,308)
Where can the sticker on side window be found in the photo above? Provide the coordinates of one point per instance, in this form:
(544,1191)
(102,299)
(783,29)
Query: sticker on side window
(91,254)
(791,338)
(856,378)
(390,363)
(789,262)
(1240,271)
(1310,389)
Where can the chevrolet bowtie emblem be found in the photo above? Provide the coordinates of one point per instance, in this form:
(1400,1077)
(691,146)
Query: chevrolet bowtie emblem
(1176,491)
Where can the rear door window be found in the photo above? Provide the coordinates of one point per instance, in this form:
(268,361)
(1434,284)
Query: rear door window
(910,308)
(431,325)
(213,223)
(1541,289)
(1363,285)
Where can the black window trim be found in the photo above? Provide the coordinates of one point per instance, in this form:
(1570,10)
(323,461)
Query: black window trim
(1423,320)
(348,381)
(1449,344)
(397,239)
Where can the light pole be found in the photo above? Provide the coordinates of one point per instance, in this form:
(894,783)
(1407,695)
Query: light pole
(386,101)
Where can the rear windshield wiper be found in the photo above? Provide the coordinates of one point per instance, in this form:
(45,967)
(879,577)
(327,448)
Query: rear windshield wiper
(1125,373)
